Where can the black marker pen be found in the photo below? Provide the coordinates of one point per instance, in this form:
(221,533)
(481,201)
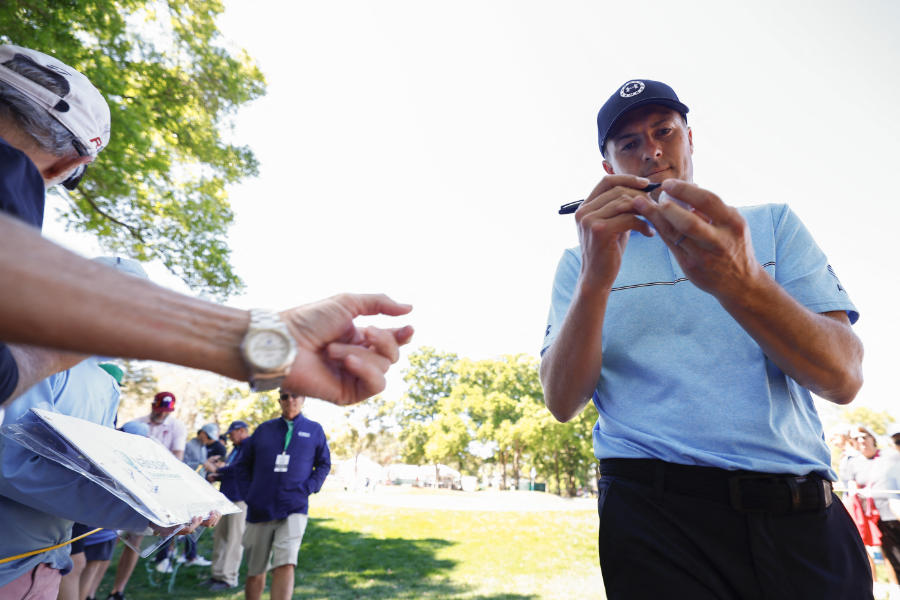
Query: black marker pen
(567,209)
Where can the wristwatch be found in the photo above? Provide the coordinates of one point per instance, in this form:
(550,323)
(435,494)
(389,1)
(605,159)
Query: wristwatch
(268,349)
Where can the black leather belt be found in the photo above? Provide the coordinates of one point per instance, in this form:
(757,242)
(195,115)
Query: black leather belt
(745,491)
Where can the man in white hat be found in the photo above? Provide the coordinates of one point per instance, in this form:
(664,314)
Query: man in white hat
(53,123)
(51,115)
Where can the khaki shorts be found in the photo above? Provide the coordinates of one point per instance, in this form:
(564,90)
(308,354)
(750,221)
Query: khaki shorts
(273,543)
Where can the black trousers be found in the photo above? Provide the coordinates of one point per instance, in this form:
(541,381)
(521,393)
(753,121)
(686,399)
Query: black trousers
(654,543)
(890,542)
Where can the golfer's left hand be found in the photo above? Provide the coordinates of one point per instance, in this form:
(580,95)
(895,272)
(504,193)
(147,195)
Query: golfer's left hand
(710,240)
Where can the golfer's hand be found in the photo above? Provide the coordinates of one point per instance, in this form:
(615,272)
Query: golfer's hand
(710,240)
(604,221)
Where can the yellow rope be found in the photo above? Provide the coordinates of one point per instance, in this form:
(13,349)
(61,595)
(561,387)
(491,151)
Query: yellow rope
(74,539)
(49,548)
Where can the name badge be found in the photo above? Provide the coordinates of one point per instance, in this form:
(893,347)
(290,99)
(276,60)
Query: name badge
(281,462)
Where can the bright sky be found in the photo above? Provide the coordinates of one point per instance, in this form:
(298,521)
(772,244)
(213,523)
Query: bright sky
(422,149)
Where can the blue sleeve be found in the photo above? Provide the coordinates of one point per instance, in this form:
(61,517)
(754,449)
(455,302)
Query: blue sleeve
(9,373)
(21,186)
(47,486)
(802,268)
(228,472)
(321,465)
(241,469)
(564,283)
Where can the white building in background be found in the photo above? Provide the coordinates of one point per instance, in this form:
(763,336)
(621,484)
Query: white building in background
(423,476)
(445,477)
(362,473)
(359,473)
(402,474)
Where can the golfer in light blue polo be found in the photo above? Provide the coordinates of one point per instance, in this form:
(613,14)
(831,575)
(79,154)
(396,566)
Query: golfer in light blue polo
(699,330)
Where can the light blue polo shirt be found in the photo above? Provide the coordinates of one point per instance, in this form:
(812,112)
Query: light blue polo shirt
(682,381)
(40,498)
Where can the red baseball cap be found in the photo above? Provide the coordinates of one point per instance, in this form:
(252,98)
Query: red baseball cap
(164,401)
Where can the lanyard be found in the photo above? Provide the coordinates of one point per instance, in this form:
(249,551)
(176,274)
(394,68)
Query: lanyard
(288,435)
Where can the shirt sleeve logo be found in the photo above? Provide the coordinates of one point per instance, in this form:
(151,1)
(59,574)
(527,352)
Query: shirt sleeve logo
(833,274)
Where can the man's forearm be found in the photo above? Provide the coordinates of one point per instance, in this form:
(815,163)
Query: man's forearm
(54,298)
(818,351)
(571,366)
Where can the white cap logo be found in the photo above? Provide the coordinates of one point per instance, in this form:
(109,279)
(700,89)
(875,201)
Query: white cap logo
(632,88)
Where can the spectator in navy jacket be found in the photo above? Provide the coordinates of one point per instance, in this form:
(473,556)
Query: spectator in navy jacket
(227,548)
(285,460)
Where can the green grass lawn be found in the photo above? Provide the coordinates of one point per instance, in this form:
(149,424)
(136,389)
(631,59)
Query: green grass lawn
(354,548)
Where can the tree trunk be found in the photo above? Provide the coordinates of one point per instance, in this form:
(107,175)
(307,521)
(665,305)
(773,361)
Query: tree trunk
(516,474)
(558,476)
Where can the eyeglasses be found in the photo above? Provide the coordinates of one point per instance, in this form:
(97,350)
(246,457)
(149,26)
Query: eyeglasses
(74,179)
(284,396)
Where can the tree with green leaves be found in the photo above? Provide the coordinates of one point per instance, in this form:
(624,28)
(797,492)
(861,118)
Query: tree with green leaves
(877,421)
(138,386)
(430,378)
(158,191)
(364,432)
(505,403)
(563,452)
(238,403)
(448,436)
(453,403)
(351,441)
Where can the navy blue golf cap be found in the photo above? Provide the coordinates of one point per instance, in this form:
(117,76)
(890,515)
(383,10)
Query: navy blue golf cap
(237,425)
(634,93)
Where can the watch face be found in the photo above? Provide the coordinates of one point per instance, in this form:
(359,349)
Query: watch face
(268,349)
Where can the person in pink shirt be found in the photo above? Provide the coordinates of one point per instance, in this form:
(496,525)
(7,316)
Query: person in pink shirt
(165,429)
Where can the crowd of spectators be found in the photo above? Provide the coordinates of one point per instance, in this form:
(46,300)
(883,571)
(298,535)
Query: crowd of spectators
(870,476)
(268,474)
